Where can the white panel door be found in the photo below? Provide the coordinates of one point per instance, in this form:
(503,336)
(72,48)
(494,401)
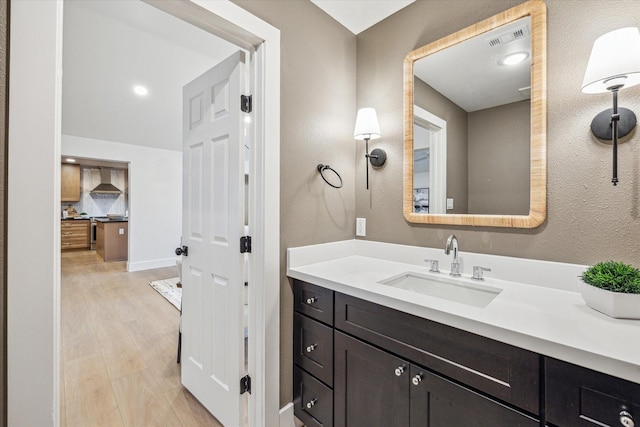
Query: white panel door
(213,220)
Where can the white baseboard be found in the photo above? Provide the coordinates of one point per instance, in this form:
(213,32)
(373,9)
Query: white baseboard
(286,416)
(148,265)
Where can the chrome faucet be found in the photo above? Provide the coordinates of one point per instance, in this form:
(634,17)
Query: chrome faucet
(452,243)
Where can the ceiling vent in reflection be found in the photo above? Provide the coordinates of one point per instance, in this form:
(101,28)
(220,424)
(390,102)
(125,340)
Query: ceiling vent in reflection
(505,38)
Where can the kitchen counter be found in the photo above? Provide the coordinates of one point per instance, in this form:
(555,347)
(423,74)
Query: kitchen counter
(100,219)
(539,308)
(112,241)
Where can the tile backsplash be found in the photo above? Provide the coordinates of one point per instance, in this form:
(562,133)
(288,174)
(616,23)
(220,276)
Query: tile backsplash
(100,204)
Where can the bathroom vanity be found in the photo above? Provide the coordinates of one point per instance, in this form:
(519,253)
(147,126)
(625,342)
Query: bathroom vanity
(366,353)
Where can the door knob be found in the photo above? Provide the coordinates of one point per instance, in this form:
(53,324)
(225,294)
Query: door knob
(182,251)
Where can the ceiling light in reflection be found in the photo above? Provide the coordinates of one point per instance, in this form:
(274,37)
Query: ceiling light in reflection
(514,58)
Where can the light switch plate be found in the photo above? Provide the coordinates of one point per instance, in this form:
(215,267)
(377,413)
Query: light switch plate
(361,227)
(121,230)
(449,203)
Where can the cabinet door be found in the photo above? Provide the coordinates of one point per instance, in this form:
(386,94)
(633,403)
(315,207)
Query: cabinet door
(437,402)
(580,397)
(371,386)
(70,182)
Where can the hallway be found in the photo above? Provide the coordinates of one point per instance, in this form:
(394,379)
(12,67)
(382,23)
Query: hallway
(119,341)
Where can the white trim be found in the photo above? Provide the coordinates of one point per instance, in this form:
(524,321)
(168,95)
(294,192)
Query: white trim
(33,210)
(148,265)
(33,239)
(438,158)
(286,416)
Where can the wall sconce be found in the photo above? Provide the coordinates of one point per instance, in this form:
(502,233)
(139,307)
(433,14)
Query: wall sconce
(614,64)
(367,128)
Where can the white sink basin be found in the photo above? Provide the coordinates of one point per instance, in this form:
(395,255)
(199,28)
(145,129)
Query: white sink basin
(445,287)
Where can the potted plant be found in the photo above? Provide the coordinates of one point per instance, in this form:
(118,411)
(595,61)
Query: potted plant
(612,288)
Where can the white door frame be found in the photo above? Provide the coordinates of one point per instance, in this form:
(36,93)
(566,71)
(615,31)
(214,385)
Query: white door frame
(437,158)
(33,209)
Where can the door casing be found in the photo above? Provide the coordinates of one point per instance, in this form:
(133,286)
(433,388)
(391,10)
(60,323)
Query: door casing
(33,203)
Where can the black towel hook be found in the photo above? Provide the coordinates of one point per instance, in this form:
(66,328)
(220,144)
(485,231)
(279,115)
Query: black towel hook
(321,168)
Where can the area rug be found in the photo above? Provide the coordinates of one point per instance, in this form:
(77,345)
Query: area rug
(168,289)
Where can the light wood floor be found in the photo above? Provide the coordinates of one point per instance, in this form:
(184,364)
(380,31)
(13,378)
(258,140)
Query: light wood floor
(119,342)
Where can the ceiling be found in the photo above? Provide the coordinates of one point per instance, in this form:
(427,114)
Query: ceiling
(110,46)
(481,83)
(358,15)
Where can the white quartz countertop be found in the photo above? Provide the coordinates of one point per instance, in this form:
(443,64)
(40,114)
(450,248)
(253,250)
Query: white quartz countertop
(550,318)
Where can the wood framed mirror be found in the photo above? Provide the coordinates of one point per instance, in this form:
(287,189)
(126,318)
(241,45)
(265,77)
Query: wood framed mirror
(475,126)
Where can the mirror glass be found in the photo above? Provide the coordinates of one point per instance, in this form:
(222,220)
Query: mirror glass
(473,107)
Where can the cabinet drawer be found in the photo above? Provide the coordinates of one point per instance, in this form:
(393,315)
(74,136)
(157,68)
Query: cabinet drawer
(505,372)
(313,347)
(577,396)
(313,401)
(74,245)
(314,301)
(76,223)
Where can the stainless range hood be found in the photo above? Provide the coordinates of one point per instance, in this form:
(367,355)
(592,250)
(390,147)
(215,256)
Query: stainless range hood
(106,187)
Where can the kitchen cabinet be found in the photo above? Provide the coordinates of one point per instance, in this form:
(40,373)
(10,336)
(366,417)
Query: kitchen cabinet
(112,241)
(75,234)
(580,397)
(70,183)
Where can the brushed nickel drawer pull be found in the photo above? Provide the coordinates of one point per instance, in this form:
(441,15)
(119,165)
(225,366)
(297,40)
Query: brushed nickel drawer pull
(626,419)
(311,348)
(417,379)
(311,403)
(311,300)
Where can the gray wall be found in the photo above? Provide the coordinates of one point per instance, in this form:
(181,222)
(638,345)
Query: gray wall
(588,219)
(318,113)
(499,159)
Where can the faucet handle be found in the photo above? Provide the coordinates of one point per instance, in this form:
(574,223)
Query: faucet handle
(434,265)
(477,272)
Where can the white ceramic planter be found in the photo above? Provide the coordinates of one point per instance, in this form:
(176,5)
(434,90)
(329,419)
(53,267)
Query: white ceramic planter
(613,304)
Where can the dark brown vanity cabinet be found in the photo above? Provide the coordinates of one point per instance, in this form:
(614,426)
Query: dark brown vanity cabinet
(357,364)
(580,397)
(313,354)
(376,388)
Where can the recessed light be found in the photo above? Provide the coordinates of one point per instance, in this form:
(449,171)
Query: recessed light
(140,90)
(70,160)
(514,58)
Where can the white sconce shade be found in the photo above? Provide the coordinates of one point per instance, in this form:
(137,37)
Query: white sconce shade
(614,61)
(367,126)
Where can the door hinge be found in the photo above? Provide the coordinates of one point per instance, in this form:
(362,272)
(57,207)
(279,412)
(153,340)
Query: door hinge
(245,244)
(246,103)
(245,384)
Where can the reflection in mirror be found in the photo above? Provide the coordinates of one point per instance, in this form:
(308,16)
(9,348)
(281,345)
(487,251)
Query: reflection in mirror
(471,102)
(490,112)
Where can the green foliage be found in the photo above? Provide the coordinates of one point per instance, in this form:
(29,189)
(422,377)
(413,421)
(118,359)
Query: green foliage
(613,276)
